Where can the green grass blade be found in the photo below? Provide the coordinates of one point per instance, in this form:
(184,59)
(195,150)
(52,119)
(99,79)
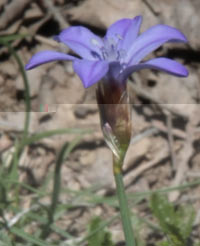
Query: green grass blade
(38,136)
(28,238)
(101,227)
(165,189)
(12,37)
(65,151)
(26,87)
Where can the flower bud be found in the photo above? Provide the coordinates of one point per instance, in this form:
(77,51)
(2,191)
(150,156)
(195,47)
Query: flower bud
(115,116)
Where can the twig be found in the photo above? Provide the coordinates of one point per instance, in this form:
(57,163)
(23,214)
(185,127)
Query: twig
(56,14)
(12,11)
(197,219)
(182,161)
(193,174)
(151,8)
(18,216)
(139,90)
(146,133)
(131,176)
(47,41)
(161,127)
(171,142)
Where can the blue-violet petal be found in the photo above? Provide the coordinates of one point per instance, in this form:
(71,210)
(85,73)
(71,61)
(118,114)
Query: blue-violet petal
(82,41)
(152,39)
(90,72)
(163,64)
(118,29)
(131,33)
(47,56)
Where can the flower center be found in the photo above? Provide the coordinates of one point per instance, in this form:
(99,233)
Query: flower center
(110,51)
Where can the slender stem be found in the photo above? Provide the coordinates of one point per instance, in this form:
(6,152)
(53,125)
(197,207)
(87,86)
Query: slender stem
(19,147)
(123,204)
(27,90)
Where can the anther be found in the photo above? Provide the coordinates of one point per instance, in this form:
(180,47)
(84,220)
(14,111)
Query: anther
(95,42)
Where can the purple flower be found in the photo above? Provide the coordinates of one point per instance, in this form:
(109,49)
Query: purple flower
(118,54)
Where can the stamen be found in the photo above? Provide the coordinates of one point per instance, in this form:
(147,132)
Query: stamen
(118,36)
(111,42)
(121,54)
(95,42)
(110,51)
(104,53)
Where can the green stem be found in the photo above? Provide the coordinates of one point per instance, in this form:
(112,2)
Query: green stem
(27,91)
(123,204)
(19,147)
